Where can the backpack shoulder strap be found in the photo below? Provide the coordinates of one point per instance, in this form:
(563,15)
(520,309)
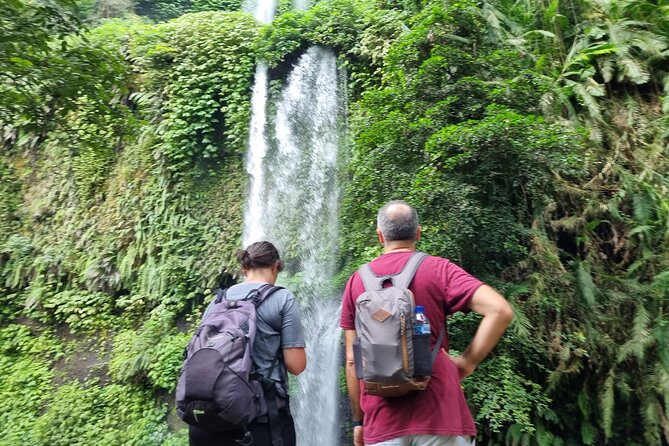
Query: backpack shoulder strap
(220,295)
(259,295)
(401,279)
(370,280)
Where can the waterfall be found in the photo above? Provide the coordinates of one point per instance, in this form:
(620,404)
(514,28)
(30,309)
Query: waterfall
(253,230)
(263,11)
(293,202)
(303,209)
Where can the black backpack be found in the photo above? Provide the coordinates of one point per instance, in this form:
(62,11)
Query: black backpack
(218,390)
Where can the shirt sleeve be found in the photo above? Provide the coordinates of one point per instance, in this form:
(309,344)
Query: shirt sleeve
(460,287)
(347,321)
(209,308)
(292,332)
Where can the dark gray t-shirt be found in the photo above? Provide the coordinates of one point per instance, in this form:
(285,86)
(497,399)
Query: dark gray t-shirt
(278,327)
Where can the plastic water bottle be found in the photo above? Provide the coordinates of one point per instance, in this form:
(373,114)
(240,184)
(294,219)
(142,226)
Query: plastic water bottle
(421,325)
(421,343)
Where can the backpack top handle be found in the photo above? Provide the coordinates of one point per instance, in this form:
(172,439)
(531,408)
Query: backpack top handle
(401,279)
(256,295)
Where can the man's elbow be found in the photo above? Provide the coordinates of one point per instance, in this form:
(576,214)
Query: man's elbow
(296,370)
(295,360)
(505,314)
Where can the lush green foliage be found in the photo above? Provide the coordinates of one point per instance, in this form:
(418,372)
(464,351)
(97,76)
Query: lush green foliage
(200,71)
(109,222)
(532,138)
(79,413)
(554,211)
(168,9)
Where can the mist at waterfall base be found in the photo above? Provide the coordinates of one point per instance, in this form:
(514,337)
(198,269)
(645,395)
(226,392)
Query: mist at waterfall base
(293,202)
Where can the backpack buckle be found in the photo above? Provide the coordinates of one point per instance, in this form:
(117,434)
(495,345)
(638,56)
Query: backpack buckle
(247,440)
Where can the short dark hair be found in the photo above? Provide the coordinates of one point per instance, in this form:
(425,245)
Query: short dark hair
(397,220)
(259,255)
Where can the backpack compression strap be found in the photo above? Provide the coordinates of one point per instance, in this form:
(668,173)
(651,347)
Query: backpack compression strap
(401,279)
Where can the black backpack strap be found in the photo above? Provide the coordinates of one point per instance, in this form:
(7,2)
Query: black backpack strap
(401,279)
(269,388)
(269,392)
(437,346)
(220,295)
(258,296)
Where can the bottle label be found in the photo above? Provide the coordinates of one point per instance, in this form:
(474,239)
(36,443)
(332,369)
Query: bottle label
(421,329)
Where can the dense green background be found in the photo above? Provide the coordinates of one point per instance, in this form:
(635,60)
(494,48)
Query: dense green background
(531,135)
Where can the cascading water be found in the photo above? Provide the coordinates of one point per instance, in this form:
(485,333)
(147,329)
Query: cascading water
(293,202)
(263,11)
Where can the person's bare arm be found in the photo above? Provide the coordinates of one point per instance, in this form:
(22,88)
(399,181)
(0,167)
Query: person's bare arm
(353,386)
(295,360)
(497,315)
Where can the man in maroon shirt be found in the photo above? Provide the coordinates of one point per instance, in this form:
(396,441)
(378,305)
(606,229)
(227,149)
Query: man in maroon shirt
(439,415)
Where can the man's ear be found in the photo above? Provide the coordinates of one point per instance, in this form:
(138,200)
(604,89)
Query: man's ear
(380,234)
(418,233)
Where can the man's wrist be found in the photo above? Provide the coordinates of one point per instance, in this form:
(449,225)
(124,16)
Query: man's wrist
(356,423)
(472,362)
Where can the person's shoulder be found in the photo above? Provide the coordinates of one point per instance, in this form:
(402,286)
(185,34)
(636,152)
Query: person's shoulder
(283,292)
(283,297)
(437,260)
(439,265)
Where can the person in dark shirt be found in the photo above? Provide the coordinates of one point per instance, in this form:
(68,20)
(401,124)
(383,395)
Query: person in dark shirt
(279,334)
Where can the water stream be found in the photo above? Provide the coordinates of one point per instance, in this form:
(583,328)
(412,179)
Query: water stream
(293,202)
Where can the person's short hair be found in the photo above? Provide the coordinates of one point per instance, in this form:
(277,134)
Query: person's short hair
(398,223)
(259,255)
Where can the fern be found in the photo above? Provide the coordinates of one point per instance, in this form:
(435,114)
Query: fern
(607,404)
(641,337)
(650,408)
(661,337)
(587,286)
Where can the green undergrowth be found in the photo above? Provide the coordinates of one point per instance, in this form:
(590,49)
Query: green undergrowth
(531,138)
(44,404)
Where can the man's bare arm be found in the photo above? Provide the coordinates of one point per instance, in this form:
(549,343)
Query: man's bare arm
(497,315)
(353,386)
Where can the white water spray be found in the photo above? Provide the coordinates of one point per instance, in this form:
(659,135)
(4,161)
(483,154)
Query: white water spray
(293,202)
(303,208)
(263,11)
(253,228)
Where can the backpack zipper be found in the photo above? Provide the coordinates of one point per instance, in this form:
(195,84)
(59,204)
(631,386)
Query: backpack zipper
(403,339)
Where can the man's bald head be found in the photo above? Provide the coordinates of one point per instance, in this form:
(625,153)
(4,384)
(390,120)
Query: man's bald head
(397,221)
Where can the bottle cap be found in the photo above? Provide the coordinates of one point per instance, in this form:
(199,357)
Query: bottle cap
(420,309)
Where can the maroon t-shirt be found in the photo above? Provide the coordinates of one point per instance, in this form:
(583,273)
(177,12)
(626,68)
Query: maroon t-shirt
(442,288)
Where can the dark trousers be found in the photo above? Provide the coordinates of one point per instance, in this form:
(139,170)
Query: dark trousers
(261,434)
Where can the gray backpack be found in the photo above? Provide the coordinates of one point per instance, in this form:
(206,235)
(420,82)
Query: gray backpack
(385,349)
(218,390)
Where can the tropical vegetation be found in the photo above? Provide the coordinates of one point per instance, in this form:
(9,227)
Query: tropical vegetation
(532,136)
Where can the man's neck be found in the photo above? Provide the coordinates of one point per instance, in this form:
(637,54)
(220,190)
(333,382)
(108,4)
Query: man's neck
(399,247)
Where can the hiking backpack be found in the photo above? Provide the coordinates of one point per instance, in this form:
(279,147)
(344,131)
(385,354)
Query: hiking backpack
(218,389)
(385,349)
